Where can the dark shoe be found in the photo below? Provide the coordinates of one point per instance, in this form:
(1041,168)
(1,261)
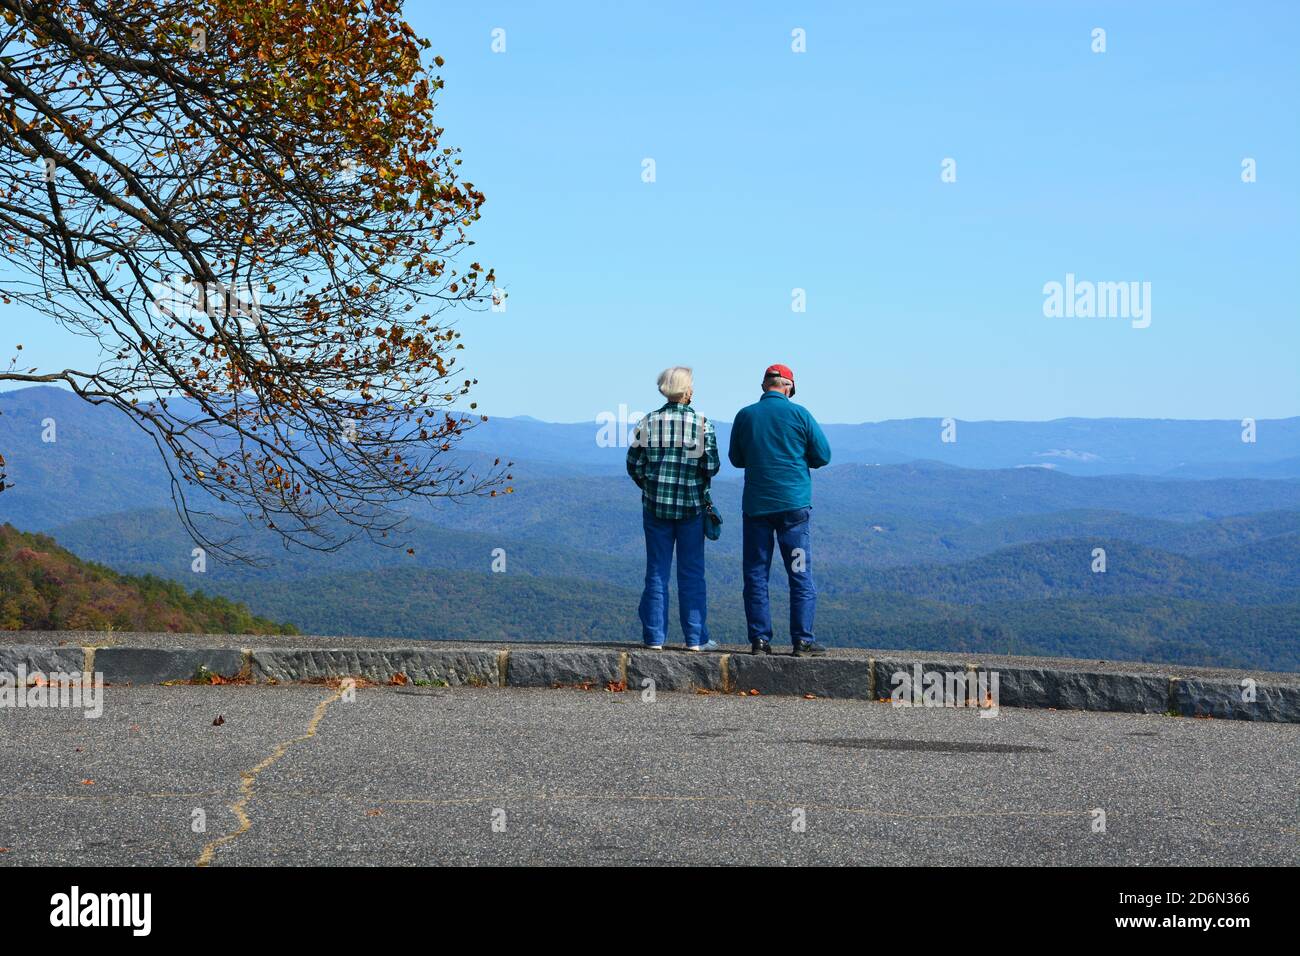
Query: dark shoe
(808,649)
(760,647)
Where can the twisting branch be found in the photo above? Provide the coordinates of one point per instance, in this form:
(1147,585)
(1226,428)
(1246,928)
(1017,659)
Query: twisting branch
(251,209)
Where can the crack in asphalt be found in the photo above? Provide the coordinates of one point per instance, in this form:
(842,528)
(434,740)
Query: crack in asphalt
(249,780)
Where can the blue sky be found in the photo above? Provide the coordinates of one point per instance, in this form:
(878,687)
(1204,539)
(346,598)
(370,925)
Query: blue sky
(820,170)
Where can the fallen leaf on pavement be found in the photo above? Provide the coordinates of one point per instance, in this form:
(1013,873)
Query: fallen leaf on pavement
(219,721)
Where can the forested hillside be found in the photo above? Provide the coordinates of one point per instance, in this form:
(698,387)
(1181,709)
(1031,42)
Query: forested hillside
(916,554)
(45,587)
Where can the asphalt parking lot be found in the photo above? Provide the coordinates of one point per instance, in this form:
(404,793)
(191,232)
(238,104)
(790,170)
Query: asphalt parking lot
(419,776)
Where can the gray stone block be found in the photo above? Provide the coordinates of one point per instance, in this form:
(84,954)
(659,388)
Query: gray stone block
(672,671)
(542,668)
(1082,690)
(796,676)
(157,665)
(1194,697)
(453,667)
(885,668)
(45,660)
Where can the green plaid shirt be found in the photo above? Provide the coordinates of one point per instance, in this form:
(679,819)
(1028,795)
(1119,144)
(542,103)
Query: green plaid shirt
(669,465)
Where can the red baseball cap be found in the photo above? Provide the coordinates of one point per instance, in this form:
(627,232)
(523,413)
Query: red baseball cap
(784,372)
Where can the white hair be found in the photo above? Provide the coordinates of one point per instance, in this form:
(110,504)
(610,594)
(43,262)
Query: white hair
(769,381)
(676,383)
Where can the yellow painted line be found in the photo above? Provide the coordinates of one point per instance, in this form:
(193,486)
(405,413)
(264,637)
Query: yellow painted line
(250,780)
(105,798)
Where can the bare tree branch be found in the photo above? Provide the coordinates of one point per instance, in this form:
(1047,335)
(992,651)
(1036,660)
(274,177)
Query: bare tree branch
(250,208)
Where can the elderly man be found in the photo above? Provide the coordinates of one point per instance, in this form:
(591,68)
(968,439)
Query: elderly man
(672,458)
(776,442)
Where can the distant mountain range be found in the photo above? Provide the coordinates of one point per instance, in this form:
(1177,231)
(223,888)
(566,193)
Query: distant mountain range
(1077,446)
(1202,553)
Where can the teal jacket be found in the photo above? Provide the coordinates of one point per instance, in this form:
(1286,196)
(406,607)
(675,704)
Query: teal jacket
(776,442)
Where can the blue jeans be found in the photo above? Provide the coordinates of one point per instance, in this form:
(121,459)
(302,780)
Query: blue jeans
(794,538)
(660,537)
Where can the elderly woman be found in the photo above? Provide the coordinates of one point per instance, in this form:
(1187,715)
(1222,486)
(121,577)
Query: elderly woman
(673,455)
